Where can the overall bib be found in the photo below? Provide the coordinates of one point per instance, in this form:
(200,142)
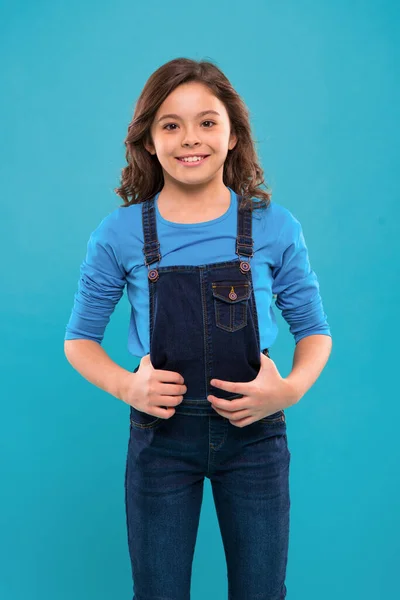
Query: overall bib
(204,325)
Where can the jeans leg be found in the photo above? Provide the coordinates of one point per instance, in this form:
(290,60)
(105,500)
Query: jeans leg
(163,497)
(251,495)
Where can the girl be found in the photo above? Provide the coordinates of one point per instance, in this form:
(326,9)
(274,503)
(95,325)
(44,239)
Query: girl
(202,259)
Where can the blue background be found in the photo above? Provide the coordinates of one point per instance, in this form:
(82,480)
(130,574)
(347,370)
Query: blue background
(320,81)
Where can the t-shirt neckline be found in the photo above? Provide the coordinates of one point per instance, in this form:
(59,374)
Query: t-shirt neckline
(202,223)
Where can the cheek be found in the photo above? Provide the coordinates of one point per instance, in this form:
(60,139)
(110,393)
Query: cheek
(165,154)
(219,144)
(163,145)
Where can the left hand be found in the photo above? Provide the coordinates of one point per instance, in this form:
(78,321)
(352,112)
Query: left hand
(263,396)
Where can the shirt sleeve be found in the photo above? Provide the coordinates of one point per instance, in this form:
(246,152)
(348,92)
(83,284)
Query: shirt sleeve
(100,286)
(296,286)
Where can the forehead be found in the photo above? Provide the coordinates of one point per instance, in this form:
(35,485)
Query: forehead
(188,99)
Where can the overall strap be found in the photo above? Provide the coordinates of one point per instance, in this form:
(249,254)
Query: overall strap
(244,239)
(151,246)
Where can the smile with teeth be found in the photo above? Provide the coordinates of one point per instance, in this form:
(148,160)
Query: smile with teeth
(193,159)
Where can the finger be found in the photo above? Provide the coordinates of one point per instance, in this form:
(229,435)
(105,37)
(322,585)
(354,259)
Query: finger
(162,412)
(243,422)
(230,405)
(231,386)
(170,389)
(164,376)
(234,418)
(166,401)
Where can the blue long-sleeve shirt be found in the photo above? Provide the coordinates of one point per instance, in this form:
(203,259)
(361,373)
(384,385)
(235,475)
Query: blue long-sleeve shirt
(114,259)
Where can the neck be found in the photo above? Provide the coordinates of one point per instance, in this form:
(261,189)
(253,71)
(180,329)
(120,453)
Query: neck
(195,197)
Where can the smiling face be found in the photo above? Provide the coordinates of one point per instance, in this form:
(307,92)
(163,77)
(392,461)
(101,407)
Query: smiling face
(201,126)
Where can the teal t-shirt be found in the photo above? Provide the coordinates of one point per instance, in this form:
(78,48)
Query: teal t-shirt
(281,271)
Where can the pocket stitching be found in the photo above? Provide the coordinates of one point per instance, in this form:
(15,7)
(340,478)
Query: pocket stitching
(237,308)
(145,425)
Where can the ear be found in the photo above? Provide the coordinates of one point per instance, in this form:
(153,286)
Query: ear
(232,141)
(148,142)
(149,147)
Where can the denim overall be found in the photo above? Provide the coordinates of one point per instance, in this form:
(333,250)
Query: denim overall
(203,319)
(204,325)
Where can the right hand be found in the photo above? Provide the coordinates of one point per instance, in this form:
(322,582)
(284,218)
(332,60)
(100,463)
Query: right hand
(149,390)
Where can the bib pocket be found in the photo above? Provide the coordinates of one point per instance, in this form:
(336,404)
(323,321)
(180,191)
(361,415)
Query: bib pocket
(231,299)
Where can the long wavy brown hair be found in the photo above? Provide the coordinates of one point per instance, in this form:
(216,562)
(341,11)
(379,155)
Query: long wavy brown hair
(143,177)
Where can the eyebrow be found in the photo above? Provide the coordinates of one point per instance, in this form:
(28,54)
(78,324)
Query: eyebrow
(201,114)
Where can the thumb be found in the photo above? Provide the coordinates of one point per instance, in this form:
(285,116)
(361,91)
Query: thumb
(267,363)
(265,358)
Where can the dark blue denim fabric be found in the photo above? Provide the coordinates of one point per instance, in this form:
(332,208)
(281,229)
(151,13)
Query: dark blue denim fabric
(248,467)
(203,325)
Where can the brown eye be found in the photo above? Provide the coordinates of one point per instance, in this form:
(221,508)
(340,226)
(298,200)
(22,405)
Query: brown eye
(169,125)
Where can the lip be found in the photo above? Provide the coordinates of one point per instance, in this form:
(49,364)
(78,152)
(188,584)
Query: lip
(194,163)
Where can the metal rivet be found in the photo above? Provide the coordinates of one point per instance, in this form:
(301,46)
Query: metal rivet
(153,275)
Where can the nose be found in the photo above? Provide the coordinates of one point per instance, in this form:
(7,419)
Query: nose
(190,139)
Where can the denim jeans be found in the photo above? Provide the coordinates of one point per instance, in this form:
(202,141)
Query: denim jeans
(248,467)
